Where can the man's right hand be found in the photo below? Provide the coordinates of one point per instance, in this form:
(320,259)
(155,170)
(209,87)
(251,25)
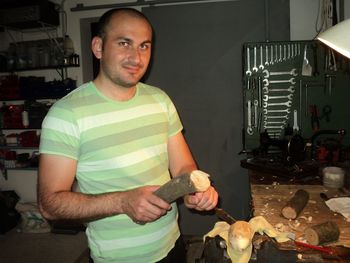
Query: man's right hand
(141,205)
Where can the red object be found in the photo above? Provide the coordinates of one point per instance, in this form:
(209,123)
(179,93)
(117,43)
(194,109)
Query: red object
(315,122)
(10,155)
(29,139)
(319,248)
(12,116)
(323,155)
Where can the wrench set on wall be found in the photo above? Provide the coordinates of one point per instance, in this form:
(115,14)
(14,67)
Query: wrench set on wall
(271,73)
(277,77)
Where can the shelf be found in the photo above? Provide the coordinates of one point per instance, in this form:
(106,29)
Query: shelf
(9,147)
(39,68)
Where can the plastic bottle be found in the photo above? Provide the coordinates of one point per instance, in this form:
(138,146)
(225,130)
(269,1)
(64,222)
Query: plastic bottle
(68,46)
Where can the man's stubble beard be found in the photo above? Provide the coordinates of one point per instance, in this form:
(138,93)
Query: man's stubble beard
(118,80)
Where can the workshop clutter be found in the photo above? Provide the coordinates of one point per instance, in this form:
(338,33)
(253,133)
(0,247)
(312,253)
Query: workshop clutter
(42,53)
(27,115)
(31,219)
(13,87)
(12,159)
(22,139)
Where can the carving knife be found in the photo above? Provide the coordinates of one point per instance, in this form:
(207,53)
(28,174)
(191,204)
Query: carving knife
(223,215)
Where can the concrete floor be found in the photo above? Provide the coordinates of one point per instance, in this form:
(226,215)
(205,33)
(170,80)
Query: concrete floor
(17,247)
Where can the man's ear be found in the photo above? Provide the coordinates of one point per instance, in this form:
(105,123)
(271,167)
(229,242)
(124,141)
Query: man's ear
(96,47)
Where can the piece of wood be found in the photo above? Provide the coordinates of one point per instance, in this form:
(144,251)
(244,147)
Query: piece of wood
(240,236)
(296,204)
(322,233)
(268,201)
(196,181)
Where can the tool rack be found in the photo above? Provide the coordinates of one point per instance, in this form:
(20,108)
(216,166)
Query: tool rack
(281,83)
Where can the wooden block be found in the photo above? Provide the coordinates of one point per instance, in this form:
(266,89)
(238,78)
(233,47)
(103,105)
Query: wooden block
(322,233)
(296,204)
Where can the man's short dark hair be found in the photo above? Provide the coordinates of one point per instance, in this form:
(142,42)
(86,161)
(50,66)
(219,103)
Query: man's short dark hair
(106,17)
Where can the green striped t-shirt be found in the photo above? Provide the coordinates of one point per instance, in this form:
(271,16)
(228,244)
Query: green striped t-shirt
(119,145)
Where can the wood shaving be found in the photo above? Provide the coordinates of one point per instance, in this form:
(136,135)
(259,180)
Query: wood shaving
(292,226)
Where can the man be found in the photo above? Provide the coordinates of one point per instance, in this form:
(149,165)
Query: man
(119,138)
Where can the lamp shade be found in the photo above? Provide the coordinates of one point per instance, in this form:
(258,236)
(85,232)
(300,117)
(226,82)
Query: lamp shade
(338,37)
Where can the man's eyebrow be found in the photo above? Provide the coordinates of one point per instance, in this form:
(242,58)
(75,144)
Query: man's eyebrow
(147,42)
(126,39)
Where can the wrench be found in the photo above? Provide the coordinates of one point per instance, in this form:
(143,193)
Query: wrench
(266,123)
(274,127)
(267,56)
(266,73)
(276,54)
(249,126)
(291,89)
(293,72)
(267,82)
(280,59)
(267,98)
(288,51)
(261,66)
(287,104)
(267,117)
(255,69)
(248,72)
(295,121)
(266,111)
(271,61)
(274,134)
(256,103)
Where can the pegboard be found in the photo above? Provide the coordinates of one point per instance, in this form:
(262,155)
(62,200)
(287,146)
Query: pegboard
(298,87)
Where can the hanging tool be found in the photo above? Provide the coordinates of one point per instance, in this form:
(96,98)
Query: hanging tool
(295,121)
(315,123)
(326,112)
(306,67)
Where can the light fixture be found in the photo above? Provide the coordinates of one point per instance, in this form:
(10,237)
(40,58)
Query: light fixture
(338,37)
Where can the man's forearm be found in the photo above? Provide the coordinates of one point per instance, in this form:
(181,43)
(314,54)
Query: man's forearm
(79,206)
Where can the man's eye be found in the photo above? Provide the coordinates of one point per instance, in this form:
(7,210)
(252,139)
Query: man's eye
(145,46)
(124,44)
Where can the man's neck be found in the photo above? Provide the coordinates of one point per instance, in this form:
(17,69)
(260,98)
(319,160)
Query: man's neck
(113,91)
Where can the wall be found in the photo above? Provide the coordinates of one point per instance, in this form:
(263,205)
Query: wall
(303,17)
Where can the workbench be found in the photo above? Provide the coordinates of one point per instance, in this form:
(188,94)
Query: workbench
(268,201)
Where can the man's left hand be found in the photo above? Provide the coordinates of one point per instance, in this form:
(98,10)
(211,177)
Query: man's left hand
(202,201)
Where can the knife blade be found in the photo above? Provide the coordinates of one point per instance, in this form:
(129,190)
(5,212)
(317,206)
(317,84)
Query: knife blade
(223,215)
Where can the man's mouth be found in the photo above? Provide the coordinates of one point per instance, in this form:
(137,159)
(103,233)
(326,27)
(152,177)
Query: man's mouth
(132,69)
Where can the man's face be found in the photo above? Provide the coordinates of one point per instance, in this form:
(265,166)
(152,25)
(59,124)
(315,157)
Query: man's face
(126,50)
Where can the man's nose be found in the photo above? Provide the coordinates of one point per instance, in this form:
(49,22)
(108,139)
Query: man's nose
(134,55)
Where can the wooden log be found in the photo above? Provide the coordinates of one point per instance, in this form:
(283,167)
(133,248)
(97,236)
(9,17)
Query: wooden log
(196,181)
(296,204)
(322,233)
